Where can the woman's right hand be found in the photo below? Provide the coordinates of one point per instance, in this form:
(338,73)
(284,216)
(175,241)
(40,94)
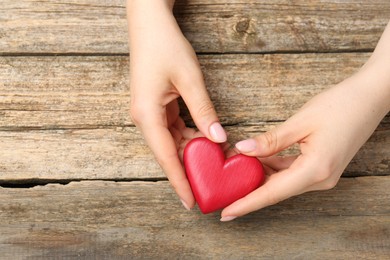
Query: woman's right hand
(163,67)
(329,129)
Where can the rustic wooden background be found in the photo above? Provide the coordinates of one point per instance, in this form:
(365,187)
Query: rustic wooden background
(77,180)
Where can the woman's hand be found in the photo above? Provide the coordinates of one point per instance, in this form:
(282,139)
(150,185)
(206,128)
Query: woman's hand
(163,67)
(329,129)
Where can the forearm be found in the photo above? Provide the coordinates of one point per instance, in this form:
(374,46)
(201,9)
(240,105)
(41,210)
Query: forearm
(153,32)
(142,13)
(149,22)
(151,4)
(376,71)
(381,55)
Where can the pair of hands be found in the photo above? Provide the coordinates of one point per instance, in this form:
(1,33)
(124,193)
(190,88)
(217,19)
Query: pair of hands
(329,129)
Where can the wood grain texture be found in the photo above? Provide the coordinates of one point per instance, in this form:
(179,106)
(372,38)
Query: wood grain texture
(67,118)
(282,25)
(108,220)
(77,92)
(120,153)
(87,26)
(83,103)
(99,26)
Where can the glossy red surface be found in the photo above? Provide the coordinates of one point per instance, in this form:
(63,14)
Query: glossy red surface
(217,182)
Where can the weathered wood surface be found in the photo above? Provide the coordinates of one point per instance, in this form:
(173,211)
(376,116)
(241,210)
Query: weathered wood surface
(99,26)
(107,220)
(82,104)
(120,153)
(76,92)
(66,118)
(92,92)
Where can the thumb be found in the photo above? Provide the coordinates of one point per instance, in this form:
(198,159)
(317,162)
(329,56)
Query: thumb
(202,111)
(273,141)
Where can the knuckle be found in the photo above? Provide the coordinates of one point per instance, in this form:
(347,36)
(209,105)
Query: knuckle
(319,169)
(271,140)
(332,184)
(323,173)
(137,113)
(323,177)
(163,162)
(184,78)
(166,161)
(272,197)
(205,108)
(329,184)
(177,184)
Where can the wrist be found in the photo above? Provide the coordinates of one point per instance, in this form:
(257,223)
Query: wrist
(376,78)
(371,92)
(149,20)
(149,15)
(376,69)
(135,6)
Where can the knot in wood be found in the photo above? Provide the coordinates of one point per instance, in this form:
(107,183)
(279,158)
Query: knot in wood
(242,26)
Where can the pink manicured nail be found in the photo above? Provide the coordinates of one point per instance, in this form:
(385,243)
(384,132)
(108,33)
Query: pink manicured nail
(227,218)
(246,146)
(217,133)
(185,204)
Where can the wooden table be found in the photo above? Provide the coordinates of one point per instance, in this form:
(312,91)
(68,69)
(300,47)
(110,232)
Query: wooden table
(77,180)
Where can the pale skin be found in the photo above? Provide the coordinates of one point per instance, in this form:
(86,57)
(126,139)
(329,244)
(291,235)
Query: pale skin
(163,67)
(329,129)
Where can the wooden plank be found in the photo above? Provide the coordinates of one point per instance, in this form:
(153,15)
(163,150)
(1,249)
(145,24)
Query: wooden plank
(87,26)
(77,92)
(69,95)
(136,220)
(99,26)
(117,153)
(120,153)
(282,26)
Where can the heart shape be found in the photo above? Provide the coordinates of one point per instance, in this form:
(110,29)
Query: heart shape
(217,182)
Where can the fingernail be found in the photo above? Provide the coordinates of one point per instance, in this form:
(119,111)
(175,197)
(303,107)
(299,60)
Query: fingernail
(227,218)
(185,204)
(246,146)
(217,133)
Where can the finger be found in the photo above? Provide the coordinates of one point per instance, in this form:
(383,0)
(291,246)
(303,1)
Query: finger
(172,112)
(164,148)
(177,136)
(275,140)
(278,163)
(277,187)
(186,132)
(165,151)
(184,143)
(225,147)
(194,94)
(268,170)
(183,135)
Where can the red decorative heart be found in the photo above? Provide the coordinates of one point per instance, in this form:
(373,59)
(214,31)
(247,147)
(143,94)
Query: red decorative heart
(215,181)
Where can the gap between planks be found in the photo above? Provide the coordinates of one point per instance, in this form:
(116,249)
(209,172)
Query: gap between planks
(125,54)
(33,183)
(28,184)
(140,220)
